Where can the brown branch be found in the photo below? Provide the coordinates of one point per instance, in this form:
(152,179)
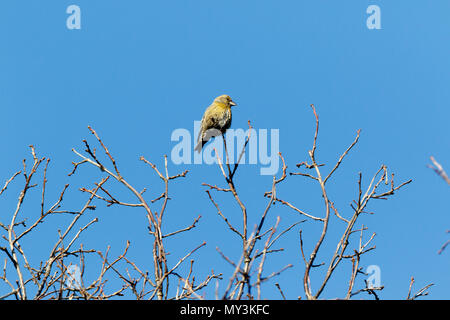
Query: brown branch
(193,225)
(9,181)
(436,166)
(420,293)
(444,245)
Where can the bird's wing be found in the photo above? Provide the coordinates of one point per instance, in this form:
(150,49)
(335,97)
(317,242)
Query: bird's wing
(205,123)
(210,118)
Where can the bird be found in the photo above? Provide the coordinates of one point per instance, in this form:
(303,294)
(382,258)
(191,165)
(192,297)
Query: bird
(216,120)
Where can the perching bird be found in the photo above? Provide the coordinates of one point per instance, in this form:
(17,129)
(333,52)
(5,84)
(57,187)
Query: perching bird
(216,120)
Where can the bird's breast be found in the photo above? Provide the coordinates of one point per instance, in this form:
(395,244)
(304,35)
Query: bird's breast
(225,121)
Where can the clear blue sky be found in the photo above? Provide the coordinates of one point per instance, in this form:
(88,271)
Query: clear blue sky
(137,70)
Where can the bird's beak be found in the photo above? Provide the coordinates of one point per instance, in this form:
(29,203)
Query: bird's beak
(232,103)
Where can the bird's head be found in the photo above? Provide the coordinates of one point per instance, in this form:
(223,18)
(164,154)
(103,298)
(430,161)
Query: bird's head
(225,99)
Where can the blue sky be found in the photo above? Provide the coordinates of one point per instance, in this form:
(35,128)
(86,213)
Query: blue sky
(138,70)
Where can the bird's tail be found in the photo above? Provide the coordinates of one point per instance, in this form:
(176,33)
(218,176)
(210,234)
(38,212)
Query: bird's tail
(199,145)
(201,140)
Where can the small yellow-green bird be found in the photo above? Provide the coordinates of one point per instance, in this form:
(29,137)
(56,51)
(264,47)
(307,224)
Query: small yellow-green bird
(216,119)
